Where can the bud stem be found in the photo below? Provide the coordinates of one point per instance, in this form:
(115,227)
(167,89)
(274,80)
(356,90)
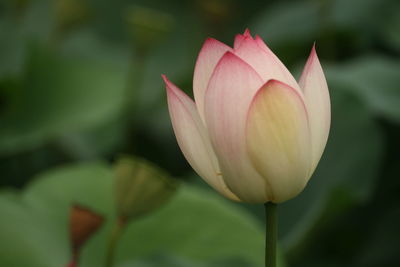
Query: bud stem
(112,244)
(271,234)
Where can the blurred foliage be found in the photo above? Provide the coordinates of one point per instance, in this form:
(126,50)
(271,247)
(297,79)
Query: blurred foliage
(140,187)
(37,224)
(80,82)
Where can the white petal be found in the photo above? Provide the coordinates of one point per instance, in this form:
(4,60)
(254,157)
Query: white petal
(316,95)
(210,54)
(230,90)
(193,140)
(278,139)
(264,61)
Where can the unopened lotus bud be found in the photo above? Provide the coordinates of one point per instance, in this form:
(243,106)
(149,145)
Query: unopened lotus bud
(254,133)
(140,187)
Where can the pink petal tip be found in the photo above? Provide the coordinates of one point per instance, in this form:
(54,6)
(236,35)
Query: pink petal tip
(165,79)
(169,85)
(247,33)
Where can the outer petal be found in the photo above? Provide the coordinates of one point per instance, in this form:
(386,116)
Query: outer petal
(316,94)
(278,139)
(238,40)
(229,94)
(210,54)
(193,140)
(263,60)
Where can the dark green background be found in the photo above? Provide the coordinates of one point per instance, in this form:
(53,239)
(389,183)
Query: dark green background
(80,83)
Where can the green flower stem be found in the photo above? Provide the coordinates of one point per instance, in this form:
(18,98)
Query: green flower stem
(113,241)
(271,236)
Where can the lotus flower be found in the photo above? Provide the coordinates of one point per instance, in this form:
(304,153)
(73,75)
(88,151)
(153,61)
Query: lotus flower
(253,133)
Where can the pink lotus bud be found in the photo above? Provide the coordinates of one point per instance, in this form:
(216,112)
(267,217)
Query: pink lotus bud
(253,133)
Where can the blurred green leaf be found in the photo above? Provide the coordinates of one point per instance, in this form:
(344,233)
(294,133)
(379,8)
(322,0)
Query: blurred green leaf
(391,35)
(355,14)
(20,25)
(381,248)
(161,261)
(375,79)
(61,94)
(11,49)
(282,23)
(345,176)
(170,261)
(196,225)
(70,14)
(148,26)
